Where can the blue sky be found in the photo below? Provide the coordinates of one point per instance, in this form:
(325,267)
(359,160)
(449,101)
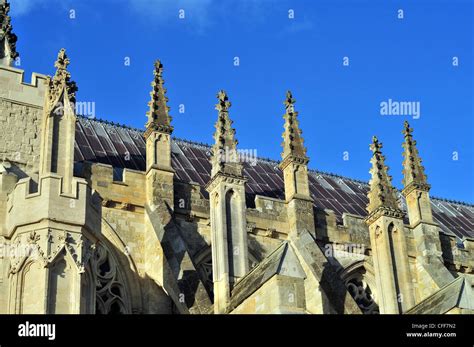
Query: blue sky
(409,59)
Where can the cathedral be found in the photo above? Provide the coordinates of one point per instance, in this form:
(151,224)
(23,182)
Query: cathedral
(101,218)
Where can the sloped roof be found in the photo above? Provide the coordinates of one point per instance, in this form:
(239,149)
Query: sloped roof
(445,299)
(281,261)
(124,147)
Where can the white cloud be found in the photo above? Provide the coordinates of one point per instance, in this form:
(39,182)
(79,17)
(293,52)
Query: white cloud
(196,12)
(200,14)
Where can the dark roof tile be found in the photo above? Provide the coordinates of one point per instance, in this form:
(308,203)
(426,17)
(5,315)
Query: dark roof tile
(99,142)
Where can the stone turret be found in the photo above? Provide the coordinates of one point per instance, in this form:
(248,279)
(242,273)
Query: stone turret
(228,210)
(56,220)
(160,174)
(158,115)
(387,238)
(432,274)
(294,165)
(8,39)
(59,124)
(225,156)
(294,160)
(416,188)
(381,194)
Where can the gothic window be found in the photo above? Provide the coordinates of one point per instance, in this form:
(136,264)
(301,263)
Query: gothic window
(360,290)
(110,291)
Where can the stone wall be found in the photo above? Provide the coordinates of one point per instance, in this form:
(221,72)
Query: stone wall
(20,117)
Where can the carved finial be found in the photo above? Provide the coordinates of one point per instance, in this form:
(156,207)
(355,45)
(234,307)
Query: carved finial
(381,193)
(223,104)
(7,35)
(289,102)
(376,146)
(61,80)
(293,143)
(158,68)
(158,115)
(63,61)
(413,170)
(406,128)
(224,152)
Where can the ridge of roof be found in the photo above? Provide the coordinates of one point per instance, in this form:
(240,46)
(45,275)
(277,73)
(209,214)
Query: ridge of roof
(261,159)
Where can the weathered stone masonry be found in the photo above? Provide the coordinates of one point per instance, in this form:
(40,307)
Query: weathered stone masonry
(97,217)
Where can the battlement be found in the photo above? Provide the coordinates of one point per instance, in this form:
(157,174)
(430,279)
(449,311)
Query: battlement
(126,188)
(13,86)
(49,202)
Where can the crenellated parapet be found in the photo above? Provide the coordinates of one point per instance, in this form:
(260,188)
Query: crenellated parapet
(124,190)
(174,226)
(269,218)
(49,202)
(15,88)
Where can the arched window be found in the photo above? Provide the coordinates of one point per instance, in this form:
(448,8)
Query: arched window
(111,295)
(357,284)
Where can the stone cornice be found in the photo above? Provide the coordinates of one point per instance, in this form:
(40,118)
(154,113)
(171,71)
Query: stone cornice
(222,177)
(155,167)
(293,159)
(154,127)
(383,211)
(424,187)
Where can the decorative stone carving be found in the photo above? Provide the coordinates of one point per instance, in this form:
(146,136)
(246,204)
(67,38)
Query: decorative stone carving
(381,191)
(293,146)
(362,294)
(80,248)
(251,227)
(60,82)
(158,115)
(110,292)
(413,170)
(6,33)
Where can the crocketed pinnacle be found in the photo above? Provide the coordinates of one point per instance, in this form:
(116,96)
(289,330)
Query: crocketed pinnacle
(224,151)
(61,81)
(292,144)
(413,170)
(6,33)
(158,116)
(381,193)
